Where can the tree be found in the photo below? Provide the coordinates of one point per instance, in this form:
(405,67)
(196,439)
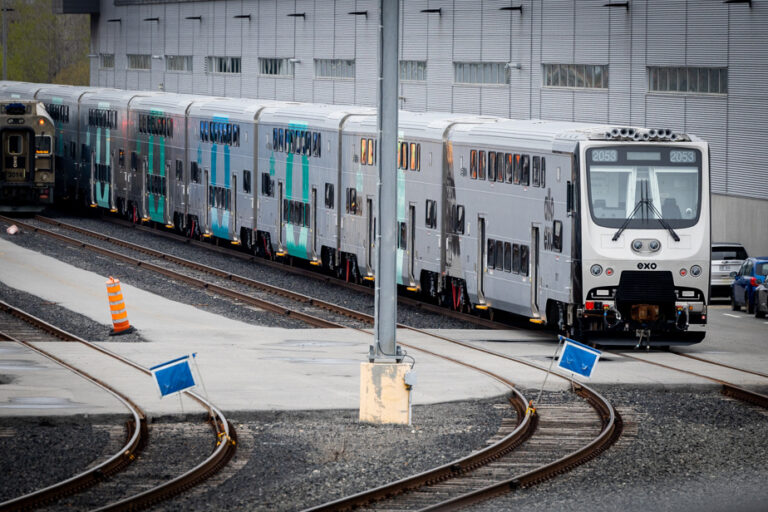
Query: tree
(46,48)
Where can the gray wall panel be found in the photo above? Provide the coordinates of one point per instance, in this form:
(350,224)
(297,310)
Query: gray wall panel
(705,32)
(344,30)
(414,97)
(344,92)
(592,27)
(172,26)
(267,29)
(557,32)
(466,99)
(557,104)
(705,117)
(666,36)
(414,29)
(494,101)
(590,106)
(665,111)
(466,31)
(495,31)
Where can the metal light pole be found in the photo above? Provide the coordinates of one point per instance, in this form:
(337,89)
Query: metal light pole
(386,281)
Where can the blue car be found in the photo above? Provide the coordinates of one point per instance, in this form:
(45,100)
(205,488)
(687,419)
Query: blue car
(751,274)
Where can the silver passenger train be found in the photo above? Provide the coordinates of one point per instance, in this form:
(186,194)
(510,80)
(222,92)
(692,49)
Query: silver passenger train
(600,231)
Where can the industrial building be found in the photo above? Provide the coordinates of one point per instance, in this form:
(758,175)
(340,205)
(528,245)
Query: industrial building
(694,66)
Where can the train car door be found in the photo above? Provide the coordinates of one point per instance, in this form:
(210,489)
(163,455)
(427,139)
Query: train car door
(92,182)
(411,242)
(17,164)
(280,218)
(233,234)
(313,223)
(112,182)
(144,188)
(370,236)
(481,255)
(535,270)
(207,201)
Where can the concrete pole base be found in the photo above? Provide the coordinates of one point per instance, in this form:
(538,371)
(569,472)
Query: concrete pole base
(384,396)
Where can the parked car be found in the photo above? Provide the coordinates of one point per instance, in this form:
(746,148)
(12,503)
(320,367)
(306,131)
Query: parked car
(751,274)
(761,300)
(726,258)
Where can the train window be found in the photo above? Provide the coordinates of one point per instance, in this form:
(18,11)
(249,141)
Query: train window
(315,145)
(543,173)
(459,220)
(536,171)
(15,145)
(507,257)
(299,142)
(473,164)
(516,258)
(43,144)
(266,184)
(481,165)
(352,201)
(525,177)
(491,166)
(72,149)
(194,172)
(431,214)
(557,236)
(508,168)
(274,139)
(371,152)
(179,170)
(363,150)
(402,236)
(133,161)
(500,167)
(308,143)
(280,140)
(247,181)
(85,152)
(329,197)
(415,157)
(518,171)
(121,156)
(490,255)
(499,255)
(524,260)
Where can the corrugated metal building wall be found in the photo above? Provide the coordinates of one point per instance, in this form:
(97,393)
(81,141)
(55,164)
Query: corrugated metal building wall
(629,40)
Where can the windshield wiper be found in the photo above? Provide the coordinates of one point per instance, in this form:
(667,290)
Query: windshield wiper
(646,201)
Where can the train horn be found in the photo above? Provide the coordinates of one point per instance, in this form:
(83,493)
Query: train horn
(637,136)
(652,133)
(646,137)
(624,132)
(615,133)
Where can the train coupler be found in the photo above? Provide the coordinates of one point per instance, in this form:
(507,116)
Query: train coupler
(644,336)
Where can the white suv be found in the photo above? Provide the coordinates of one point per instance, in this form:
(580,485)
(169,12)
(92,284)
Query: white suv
(726,258)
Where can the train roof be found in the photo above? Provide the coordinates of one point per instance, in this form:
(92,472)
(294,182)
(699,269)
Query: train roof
(424,125)
(314,115)
(55,92)
(19,90)
(118,97)
(168,103)
(235,109)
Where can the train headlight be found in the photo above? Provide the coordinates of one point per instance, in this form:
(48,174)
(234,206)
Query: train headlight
(596,270)
(637,245)
(683,272)
(695,271)
(654,245)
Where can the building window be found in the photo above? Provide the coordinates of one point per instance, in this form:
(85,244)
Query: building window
(276,67)
(493,73)
(688,80)
(139,61)
(107,60)
(222,64)
(334,68)
(580,76)
(414,70)
(178,63)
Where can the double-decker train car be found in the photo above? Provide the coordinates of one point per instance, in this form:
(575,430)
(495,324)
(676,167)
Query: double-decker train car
(600,231)
(27,168)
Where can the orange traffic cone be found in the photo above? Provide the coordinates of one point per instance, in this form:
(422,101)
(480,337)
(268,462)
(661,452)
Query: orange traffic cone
(120,323)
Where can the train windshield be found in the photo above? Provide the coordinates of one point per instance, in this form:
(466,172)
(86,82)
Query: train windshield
(644,184)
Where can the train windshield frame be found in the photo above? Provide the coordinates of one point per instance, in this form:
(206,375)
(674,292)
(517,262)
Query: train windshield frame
(621,177)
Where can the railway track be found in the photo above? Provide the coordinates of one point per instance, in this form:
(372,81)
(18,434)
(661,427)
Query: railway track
(224,435)
(605,420)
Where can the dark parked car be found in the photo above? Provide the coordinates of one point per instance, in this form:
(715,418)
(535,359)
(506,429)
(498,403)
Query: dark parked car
(751,274)
(761,300)
(727,257)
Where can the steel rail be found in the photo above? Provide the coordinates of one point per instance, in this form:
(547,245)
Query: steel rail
(248,299)
(226,439)
(136,438)
(727,388)
(312,274)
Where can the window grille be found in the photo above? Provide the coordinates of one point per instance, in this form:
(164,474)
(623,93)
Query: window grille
(580,76)
(334,68)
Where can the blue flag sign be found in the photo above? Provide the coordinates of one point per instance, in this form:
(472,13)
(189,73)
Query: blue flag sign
(578,358)
(173,376)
